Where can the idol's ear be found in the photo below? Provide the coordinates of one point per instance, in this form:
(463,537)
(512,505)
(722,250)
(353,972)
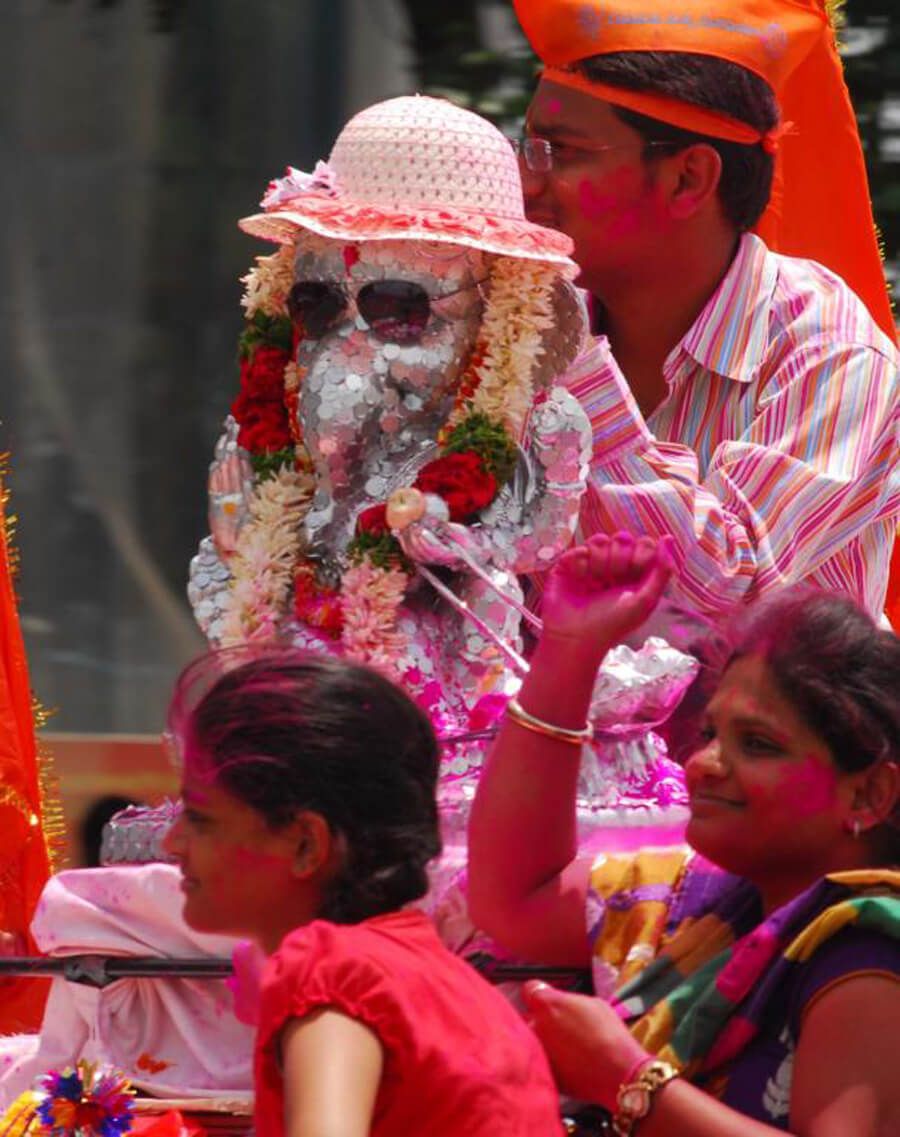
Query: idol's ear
(565,339)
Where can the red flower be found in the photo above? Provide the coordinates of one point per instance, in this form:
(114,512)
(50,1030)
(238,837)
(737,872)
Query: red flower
(317,606)
(373,521)
(351,256)
(262,375)
(462,481)
(263,424)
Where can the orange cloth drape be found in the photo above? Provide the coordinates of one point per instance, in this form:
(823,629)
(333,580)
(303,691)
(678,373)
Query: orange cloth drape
(24,859)
(825,212)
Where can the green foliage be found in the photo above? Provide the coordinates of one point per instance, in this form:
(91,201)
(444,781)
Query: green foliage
(383,551)
(489,440)
(268,464)
(272,331)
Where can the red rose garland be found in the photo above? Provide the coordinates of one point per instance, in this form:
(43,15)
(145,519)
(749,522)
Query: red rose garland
(462,480)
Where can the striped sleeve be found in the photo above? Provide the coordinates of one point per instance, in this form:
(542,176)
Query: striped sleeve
(816,465)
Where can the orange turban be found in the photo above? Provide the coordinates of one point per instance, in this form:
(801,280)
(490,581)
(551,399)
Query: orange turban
(820,205)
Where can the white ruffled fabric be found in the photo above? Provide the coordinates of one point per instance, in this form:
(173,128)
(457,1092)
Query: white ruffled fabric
(188,1024)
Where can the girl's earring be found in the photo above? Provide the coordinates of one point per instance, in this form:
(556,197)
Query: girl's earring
(853,827)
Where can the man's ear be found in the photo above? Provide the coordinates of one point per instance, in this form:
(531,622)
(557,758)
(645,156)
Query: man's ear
(314,844)
(694,175)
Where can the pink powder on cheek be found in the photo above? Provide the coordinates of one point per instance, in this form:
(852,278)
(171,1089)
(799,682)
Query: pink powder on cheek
(811,786)
(252,860)
(607,205)
(804,789)
(592,202)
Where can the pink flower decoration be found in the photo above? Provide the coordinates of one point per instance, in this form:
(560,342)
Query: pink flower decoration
(296,183)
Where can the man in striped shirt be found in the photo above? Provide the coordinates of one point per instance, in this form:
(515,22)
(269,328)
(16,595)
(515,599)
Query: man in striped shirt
(743,401)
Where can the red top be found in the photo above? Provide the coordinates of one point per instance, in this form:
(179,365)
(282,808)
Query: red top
(458,1060)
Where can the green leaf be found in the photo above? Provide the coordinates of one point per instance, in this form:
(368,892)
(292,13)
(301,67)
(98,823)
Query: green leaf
(489,440)
(271,462)
(383,551)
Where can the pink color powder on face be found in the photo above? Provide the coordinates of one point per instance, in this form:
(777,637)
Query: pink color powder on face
(605,204)
(248,860)
(809,787)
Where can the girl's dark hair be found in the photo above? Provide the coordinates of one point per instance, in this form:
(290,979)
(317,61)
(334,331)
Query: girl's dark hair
(838,669)
(289,731)
(715,84)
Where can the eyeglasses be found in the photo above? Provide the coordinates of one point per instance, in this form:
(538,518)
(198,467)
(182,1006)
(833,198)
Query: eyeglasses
(536,155)
(397,311)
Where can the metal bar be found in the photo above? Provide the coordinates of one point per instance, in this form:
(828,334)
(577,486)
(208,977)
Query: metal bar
(466,557)
(461,606)
(100,971)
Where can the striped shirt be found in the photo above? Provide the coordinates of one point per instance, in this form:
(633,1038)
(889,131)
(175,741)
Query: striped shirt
(773,457)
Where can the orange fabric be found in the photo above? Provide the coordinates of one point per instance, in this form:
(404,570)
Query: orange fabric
(24,861)
(663,108)
(825,212)
(768,37)
(820,206)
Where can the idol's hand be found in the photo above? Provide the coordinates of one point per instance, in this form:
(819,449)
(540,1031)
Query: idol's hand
(598,593)
(590,1049)
(230,489)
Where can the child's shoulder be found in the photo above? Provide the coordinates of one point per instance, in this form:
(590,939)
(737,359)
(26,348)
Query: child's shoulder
(370,971)
(375,945)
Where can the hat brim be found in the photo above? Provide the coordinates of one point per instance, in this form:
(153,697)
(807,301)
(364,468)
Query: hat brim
(330,217)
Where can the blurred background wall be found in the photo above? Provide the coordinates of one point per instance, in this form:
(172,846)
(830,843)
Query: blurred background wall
(133,134)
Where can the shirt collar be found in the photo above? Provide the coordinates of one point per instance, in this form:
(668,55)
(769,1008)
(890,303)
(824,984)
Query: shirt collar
(731,334)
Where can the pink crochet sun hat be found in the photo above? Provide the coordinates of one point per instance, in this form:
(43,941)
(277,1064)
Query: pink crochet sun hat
(413,168)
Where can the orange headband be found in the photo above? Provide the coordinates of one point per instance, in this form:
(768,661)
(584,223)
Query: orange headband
(687,116)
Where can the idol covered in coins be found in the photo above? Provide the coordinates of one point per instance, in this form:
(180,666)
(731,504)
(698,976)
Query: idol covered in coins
(397,455)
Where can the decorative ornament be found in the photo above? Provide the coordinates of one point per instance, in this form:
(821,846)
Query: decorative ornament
(87,1101)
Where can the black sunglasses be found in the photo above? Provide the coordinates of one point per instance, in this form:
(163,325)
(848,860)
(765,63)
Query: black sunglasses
(397,311)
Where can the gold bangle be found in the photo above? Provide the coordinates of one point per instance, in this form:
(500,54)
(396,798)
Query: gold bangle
(519,715)
(636,1096)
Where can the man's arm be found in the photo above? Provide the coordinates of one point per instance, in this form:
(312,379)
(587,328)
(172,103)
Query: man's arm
(816,466)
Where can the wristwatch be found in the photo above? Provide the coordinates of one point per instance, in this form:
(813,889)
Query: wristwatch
(635,1098)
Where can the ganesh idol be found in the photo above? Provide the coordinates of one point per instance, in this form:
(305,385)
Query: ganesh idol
(400,456)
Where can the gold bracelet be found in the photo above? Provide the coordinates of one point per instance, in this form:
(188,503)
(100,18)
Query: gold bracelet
(635,1097)
(561,733)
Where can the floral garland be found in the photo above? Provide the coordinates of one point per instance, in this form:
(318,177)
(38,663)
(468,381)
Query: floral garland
(478,456)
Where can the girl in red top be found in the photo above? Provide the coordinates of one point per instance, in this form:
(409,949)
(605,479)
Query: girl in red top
(309,820)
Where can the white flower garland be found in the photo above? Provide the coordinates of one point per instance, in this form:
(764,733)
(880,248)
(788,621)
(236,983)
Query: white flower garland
(262,566)
(519,309)
(370,597)
(268,283)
